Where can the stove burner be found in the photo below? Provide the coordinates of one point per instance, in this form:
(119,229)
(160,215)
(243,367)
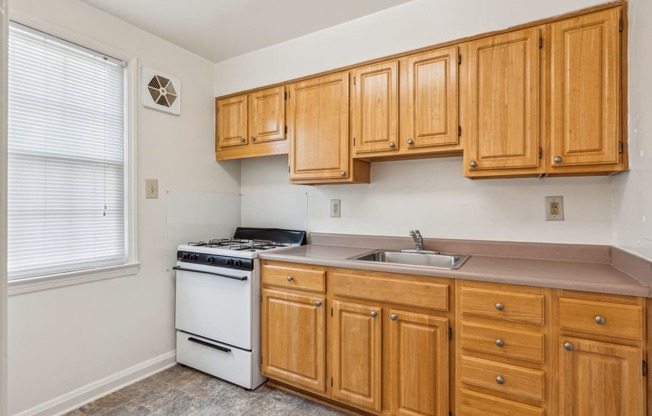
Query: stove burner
(239,244)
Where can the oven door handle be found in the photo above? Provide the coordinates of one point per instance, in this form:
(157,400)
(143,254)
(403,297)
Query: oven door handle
(241,278)
(208,344)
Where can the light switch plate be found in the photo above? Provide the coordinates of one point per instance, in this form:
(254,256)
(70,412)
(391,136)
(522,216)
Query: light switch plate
(336,208)
(554,206)
(151,188)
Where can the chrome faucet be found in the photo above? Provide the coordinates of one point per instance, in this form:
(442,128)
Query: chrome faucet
(418,240)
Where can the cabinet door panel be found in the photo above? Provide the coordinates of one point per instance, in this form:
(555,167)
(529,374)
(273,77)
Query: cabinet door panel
(375,115)
(600,379)
(433,98)
(267,115)
(586,89)
(293,339)
(357,354)
(504,101)
(319,128)
(232,122)
(419,363)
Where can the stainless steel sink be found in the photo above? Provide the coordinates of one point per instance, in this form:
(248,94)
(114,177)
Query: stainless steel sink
(415,258)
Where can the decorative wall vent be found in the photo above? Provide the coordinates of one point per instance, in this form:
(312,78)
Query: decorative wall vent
(161,92)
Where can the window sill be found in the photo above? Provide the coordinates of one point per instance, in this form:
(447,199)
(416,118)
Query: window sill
(37,284)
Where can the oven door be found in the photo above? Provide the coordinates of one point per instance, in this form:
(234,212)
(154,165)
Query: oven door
(215,303)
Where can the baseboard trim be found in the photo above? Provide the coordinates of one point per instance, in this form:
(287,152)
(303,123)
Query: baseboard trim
(86,394)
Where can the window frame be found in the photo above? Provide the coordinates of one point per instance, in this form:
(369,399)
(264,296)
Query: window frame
(132,265)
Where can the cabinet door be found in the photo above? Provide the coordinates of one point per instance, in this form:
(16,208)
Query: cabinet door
(375,110)
(319,128)
(503,96)
(418,363)
(357,354)
(232,122)
(293,339)
(267,115)
(432,107)
(586,96)
(600,379)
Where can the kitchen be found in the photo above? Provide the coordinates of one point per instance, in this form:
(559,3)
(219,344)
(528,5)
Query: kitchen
(69,343)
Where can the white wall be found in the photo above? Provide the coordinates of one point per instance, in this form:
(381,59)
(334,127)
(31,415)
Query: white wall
(431,194)
(633,192)
(63,339)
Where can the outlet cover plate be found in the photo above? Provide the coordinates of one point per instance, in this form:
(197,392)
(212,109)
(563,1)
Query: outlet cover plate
(336,208)
(554,206)
(151,188)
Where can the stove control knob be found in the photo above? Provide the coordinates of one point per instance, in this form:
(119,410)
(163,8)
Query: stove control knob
(211,260)
(184,256)
(238,263)
(229,262)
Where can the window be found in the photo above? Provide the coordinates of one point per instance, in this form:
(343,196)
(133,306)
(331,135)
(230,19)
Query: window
(67,199)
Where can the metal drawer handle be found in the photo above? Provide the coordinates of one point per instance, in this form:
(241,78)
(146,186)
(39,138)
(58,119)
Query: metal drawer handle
(500,380)
(600,320)
(290,278)
(393,317)
(500,343)
(208,344)
(374,314)
(318,303)
(473,164)
(243,140)
(568,346)
(342,173)
(500,306)
(252,138)
(410,142)
(241,278)
(392,145)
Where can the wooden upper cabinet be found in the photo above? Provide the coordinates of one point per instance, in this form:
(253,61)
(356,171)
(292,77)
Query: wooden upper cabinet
(432,100)
(503,105)
(586,93)
(600,379)
(251,125)
(267,115)
(375,108)
(318,127)
(231,128)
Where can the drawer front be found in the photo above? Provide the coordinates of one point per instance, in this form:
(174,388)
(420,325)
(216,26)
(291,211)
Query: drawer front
(294,277)
(510,306)
(601,318)
(392,290)
(504,378)
(524,345)
(477,404)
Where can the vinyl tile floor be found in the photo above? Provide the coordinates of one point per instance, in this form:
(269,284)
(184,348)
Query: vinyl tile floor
(182,391)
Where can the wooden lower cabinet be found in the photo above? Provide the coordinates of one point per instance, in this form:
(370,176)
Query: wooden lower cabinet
(357,354)
(294,339)
(600,379)
(418,362)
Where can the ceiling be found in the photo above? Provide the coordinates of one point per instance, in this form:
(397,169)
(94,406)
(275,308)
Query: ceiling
(221,29)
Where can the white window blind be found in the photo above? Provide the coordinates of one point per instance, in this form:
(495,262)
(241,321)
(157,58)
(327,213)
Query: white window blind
(66,179)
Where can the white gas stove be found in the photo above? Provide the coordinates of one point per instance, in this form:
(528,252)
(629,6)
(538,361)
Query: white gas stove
(217,302)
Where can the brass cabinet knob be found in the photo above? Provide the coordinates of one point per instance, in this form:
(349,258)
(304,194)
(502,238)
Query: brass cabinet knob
(252,138)
(243,140)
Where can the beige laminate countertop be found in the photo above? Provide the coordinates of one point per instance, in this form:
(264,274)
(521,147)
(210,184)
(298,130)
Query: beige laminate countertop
(583,276)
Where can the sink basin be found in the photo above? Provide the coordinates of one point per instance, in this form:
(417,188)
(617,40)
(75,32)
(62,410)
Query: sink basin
(426,259)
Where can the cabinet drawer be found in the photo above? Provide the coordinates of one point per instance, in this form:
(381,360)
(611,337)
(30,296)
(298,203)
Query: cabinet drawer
(294,277)
(392,290)
(524,345)
(510,306)
(504,378)
(477,404)
(601,318)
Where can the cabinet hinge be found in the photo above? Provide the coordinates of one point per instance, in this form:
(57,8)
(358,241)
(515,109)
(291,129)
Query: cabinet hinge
(331,381)
(288,168)
(620,25)
(353,80)
(459,59)
(285,95)
(261,298)
(286,129)
(354,142)
(331,312)
(459,131)
(450,413)
(644,368)
(620,147)
(540,152)
(261,360)
(540,42)
(450,333)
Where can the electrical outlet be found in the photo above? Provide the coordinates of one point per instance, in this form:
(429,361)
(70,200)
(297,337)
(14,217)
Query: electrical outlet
(151,188)
(336,208)
(554,208)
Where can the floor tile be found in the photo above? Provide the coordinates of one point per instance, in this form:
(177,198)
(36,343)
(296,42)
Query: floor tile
(188,381)
(75,413)
(183,406)
(214,390)
(144,386)
(154,400)
(102,405)
(130,409)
